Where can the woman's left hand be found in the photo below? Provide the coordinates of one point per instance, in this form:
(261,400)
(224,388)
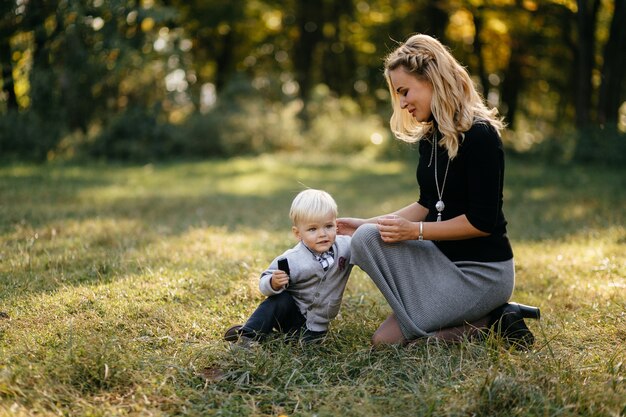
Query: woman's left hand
(394,228)
(348,225)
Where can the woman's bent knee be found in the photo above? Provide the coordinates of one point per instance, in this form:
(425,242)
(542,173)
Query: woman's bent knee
(364,235)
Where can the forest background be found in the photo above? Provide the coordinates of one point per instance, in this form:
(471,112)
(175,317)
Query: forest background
(156,79)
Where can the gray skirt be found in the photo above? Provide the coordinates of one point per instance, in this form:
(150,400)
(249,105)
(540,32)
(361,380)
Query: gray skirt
(425,289)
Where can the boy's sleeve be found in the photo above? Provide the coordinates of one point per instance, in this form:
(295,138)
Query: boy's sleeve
(347,249)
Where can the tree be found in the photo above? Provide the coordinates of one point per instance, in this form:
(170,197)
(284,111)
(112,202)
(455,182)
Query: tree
(586,19)
(310,20)
(614,67)
(8,24)
(84,65)
(339,55)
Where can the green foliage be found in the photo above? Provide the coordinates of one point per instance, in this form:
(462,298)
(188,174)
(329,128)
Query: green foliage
(200,135)
(591,146)
(88,70)
(243,122)
(601,145)
(27,135)
(135,134)
(338,125)
(118,282)
(250,123)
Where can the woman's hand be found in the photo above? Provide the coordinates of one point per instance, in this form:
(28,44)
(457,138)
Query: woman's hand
(394,228)
(279,280)
(348,225)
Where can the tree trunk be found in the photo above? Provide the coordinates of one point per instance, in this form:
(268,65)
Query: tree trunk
(339,57)
(513,82)
(43,91)
(309,18)
(224,59)
(478,49)
(310,21)
(586,22)
(8,27)
(8,85)
(438,18)
(614,67)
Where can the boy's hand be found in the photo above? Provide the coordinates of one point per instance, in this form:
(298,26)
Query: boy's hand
(348,225)
(279,280)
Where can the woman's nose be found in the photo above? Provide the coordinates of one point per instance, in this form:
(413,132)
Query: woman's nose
(403,103)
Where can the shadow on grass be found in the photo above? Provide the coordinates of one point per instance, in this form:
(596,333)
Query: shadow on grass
(544,202)
(83,223)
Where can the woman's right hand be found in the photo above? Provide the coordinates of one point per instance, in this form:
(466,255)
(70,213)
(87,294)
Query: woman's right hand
(348,225)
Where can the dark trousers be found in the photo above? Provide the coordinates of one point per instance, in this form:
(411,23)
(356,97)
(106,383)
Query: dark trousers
(281,313)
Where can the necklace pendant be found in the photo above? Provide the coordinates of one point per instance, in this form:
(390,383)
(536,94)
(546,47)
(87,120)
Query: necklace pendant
(439,216)
(440,206)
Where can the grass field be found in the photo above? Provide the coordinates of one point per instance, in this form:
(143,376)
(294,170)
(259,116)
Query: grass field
(118,282)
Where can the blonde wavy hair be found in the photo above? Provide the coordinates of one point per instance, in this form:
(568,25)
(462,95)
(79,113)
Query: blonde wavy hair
(456,105)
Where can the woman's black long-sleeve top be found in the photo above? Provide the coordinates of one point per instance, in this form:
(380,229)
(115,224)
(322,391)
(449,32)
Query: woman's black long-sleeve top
(474,187)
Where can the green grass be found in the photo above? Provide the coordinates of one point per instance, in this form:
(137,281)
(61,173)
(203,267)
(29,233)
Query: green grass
(120,280)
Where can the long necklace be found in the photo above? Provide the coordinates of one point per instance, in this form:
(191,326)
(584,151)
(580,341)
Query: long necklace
(440,206)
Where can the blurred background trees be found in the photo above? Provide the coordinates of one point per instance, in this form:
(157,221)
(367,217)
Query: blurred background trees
(130,79)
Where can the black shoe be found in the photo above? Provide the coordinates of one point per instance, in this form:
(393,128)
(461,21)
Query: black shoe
(233,333)
(309,337)
(508,322)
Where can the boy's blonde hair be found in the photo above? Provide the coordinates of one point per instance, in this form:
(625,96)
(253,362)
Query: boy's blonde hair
(311,205)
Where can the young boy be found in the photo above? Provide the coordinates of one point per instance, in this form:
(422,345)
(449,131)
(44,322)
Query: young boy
(304,295)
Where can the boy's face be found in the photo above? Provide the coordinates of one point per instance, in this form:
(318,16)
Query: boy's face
(317,234)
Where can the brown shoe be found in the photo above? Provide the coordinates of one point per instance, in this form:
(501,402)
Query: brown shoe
(233,333)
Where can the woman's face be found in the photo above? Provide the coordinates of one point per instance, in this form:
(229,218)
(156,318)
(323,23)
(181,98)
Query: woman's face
(414,95)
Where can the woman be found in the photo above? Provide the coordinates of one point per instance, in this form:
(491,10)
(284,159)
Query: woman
(444,263)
